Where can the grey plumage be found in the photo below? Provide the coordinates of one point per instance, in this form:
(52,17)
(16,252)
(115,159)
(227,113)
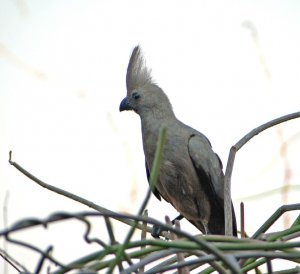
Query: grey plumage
(190,176)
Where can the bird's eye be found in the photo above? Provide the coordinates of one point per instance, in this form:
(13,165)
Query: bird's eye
(135,95)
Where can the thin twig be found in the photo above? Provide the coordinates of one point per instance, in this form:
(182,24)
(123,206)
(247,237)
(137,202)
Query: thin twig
(243,234)
(66,193)
(274,218)
(42,260)
(180,256)
(36,249)
(234,149)
(269,266)
(291,236)
(12,262)
(110,230)
(143,237)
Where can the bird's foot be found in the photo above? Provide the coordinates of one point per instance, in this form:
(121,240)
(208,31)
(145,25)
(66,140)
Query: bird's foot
(160,232)
(157,230)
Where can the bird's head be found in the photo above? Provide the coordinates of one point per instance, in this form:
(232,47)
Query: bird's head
(143,95)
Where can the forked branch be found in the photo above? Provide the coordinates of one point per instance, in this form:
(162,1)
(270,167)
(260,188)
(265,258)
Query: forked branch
(234,149)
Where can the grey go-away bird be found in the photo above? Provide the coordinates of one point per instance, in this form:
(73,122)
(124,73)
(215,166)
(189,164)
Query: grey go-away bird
(190,175)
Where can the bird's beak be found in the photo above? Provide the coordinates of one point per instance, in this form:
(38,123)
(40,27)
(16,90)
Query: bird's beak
(125,105)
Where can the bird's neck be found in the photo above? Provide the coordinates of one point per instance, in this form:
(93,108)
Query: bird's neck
(155,119)
(157,115)
(150,131)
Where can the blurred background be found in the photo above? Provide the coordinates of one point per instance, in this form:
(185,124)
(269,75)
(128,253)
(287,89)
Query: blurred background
(227,68)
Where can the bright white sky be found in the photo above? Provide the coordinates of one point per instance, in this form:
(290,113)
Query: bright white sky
(227,67)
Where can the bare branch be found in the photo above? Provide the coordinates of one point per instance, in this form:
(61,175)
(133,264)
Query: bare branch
(180,256)
(234,149)
(66,193)
(12,262)
(242,209)
(143,237)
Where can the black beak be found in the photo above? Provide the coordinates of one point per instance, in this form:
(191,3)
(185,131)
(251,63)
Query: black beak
(125,105)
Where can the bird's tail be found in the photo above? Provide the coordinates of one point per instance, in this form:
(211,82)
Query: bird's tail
(216,224)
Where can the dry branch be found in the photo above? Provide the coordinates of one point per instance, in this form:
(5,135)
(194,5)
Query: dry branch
(234,149)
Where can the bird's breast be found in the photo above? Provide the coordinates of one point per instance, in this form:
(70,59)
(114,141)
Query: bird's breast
(178,182)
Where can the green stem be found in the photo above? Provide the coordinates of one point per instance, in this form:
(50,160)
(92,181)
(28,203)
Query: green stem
(153,179)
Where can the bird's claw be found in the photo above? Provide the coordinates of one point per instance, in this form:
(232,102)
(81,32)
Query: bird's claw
(156,231)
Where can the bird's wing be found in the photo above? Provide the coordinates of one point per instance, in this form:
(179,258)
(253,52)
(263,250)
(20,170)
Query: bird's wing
(208,167)
(155,191)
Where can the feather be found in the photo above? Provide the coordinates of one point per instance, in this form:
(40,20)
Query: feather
(138,75)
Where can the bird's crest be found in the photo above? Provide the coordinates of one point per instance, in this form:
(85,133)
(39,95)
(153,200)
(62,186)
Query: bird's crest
(138,75)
